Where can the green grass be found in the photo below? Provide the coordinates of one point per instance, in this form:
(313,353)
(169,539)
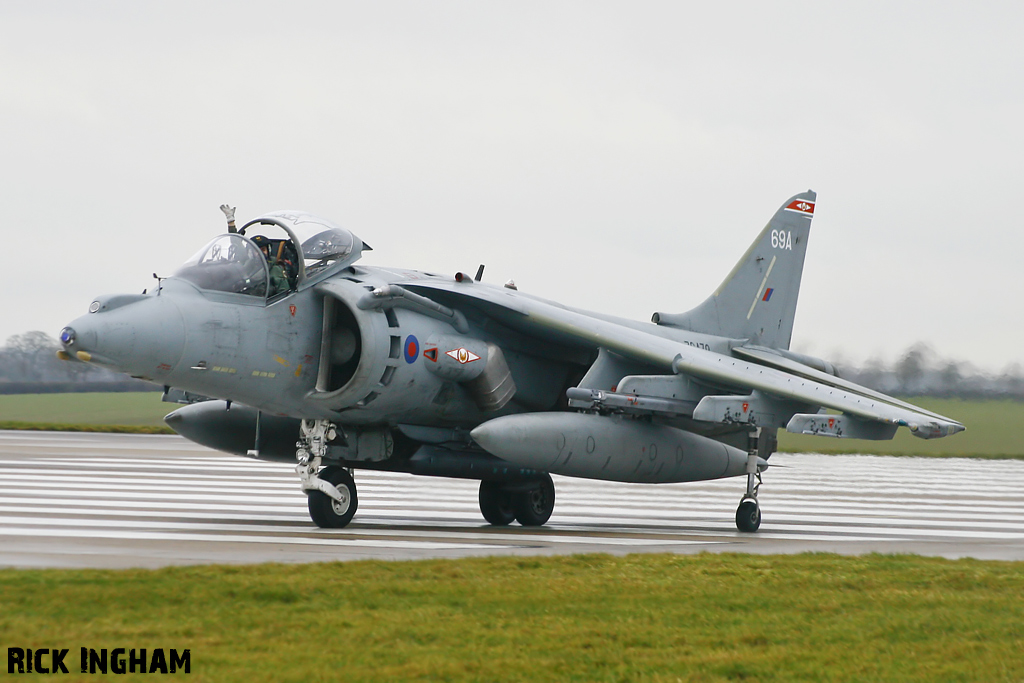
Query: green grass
(991,433)
(84,412)
(991,425)
(582,618)
(61,427)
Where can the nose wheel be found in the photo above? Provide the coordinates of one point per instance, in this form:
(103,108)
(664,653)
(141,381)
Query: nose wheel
(327,512)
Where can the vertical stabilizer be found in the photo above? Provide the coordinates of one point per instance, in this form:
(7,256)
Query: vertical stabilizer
(757,300)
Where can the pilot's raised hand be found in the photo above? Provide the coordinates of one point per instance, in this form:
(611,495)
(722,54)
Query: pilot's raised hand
(229,213)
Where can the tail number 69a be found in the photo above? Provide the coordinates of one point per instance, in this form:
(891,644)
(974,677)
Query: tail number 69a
(782,239)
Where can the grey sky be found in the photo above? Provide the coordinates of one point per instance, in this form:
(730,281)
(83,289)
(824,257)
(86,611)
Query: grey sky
(614,156)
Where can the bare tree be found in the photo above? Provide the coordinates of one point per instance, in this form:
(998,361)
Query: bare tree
(25,355)
(32,357)
(950,378)
(911,368)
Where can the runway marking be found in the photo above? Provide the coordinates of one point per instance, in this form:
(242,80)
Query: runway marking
(240,538)
(80,499)
(170,529)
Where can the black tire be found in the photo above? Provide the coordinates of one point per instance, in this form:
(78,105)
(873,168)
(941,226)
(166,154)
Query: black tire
(328,513)
(748,516)
(496,504)
(534,506)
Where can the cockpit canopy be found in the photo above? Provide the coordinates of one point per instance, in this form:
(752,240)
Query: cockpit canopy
(230,263)
(242,263)
(324,246)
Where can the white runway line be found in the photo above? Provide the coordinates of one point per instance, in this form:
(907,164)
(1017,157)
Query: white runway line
(96,488)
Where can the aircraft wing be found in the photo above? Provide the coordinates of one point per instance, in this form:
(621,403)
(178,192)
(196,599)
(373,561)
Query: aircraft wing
(766,357)
(865,413)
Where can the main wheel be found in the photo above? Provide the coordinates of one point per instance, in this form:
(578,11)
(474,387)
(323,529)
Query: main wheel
(534,506)
(496,503)
(748,516)
(328,513)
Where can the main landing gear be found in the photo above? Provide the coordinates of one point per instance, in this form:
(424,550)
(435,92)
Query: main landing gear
(332,499)
(748,514)
(531,504)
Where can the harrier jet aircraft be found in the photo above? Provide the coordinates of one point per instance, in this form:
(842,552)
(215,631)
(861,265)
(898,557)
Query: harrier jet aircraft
(284,347)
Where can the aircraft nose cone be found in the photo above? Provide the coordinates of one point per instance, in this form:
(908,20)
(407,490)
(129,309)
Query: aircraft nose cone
(75,342)
(145,337)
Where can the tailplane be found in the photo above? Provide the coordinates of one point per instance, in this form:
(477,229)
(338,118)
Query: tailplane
(757,300)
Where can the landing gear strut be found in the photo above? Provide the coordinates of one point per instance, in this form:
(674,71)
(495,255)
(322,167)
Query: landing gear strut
(748,514)
(331,492)
(529,504)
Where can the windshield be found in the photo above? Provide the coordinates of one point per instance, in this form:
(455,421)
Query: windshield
(230,263)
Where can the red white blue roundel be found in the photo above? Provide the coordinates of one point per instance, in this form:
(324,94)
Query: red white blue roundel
(412,349)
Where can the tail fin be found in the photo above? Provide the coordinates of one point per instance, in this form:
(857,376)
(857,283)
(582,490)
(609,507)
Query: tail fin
(757,300)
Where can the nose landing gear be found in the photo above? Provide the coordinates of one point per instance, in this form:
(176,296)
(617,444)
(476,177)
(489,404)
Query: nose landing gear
(331,492)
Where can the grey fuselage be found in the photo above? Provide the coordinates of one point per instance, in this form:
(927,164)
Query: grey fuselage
(276,355)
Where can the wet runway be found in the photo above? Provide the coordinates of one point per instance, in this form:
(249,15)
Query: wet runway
(108,500)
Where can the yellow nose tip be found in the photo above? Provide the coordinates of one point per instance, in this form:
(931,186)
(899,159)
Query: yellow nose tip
(84,355)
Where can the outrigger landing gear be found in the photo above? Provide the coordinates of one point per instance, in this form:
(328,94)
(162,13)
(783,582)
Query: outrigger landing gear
(748,514)
(331,492)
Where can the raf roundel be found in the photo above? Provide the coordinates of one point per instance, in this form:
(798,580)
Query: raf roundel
(412,349)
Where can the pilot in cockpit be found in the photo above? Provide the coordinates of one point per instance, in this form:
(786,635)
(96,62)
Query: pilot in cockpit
(280,265)
(278,279)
